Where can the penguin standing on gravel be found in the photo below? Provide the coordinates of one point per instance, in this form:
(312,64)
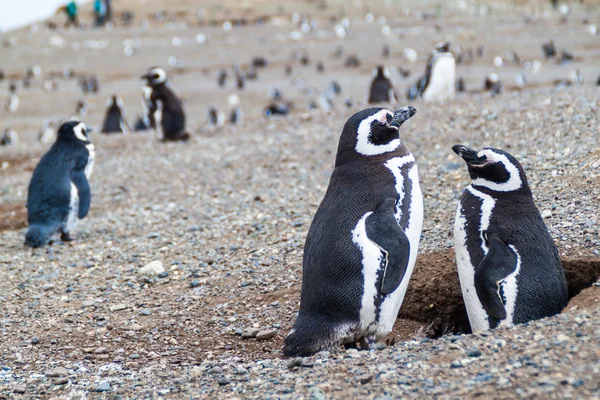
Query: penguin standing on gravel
(362,244)
(508,265)
(59,192)
(164,109)
(12,104)
(235,110)
(382,87)
(115,119)
(439,81)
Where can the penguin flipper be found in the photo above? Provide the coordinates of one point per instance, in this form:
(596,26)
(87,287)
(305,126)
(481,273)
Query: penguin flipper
(499,262)
(83,188)
(383,230)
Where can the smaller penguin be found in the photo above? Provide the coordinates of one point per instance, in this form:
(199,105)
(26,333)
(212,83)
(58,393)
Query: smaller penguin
(493,84)
(259,62)
(59,193)
(47,132)
(9,138)
(439,81)
(382,87)
(275,93)
(235,110)
(82,107)
(222,78)
(385,52)
(215,117)
(12,104)
(549,49)
(320,67)
(163,108)
(508,265)
(115,120)
(352,61)
(460,85)
(49,85)
(278,108)
(239,77)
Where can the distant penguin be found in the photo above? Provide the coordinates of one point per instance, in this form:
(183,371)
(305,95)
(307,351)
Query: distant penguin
(239,77)
(235,110)
(216,118)
(59,192)
(82,108)
(460,85)
(549,49)
(277,108)
(12,104)
(493,84)
(382,87)
(362,244)
(162,104)
(508,265)
(115,120)
(222,78)
(439,81)
(9,138)
(47,133)
(49,85)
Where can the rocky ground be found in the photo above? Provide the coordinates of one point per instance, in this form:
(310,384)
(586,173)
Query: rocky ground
(184,278)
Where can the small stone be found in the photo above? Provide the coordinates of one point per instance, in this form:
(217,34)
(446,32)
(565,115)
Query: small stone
(152,269)
(196,372)
(163,274)
(145,311)
(224,381)
(456,364)
(266,334)
(60,381)
(134,356)
(474,352)
(118,307)
(133,327)
(546,214)
(153,235)
(249,333)
(57,372)
(101,350)
(194,283)
(365,378)
(35,340)
(296,362)
(48,287)
(20,389)
(215,370)
(562,338)
(103,387)
(87,303)
(316,394)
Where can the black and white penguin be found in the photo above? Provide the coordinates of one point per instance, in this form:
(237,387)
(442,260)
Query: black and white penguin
(9,138)
(59,192)
(215,117)
(222,78)
(115,120)
(82,108)
(235,110)
(362,244)
(47,132)
(439,81)
(163,108)
(12,104)
(493,84)
(382,87)
(508,265)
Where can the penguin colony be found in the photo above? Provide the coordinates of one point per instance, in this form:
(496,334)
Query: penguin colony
(363,242)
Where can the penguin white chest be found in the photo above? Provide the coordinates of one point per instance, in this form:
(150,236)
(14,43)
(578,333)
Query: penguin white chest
(442,82)
(89,167)
(72,219)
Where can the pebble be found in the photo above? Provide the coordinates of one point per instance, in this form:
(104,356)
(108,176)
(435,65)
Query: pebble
(365,378)
(224,381)
(194,283)
(474,352)
(145,311)
(266,334)
(118,307)
(57,372)
(249,333)
(152,269)
(546,214)
(103,387)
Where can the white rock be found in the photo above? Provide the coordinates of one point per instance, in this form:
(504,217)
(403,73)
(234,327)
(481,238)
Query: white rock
(546,214)
(152,269)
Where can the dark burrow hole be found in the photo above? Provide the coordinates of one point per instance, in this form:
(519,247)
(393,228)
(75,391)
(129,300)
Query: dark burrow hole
(434,297)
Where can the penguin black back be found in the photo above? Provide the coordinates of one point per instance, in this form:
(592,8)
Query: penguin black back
(382,87)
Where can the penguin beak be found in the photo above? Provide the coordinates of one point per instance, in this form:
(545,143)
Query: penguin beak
(402,115)
(469,155)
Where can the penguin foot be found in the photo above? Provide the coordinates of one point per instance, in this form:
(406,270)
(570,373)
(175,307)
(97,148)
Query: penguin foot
(348,346)
(66,237)
(364,344)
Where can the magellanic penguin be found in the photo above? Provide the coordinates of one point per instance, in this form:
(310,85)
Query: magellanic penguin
(115,120)
(59,193)
(9,138)
(12,104)
(215,117)
(382,87)
(235,110)
(47,132)
(508,265)
(164,106)
(362,244)
(439,81)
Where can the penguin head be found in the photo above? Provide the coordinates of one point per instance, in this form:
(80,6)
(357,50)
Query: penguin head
(74,130)
(372,132)
(493,169)
(155,76)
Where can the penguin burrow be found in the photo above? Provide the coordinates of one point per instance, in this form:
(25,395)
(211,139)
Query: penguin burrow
(362,244)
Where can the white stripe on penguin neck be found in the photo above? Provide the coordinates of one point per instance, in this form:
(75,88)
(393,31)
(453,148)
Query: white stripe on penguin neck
(364,145)
(79,131)
(514,181)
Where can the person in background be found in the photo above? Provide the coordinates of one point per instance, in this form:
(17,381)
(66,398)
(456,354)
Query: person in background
(71,11)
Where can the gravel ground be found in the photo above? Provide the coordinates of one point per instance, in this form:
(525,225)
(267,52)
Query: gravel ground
(185,276)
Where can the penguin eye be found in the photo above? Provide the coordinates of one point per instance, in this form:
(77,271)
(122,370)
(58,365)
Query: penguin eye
(389,118)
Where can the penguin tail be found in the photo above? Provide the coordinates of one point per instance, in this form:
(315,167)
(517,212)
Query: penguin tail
(38,235)
(309,336)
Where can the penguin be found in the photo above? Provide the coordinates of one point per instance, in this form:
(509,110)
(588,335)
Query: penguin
(164,110)
(81,109)
(222,78)
(352,61)
(235,110)
(277,108)
(115,120)
(59,193)
(382,87)
(493,84)
(549,49)
(12,104)
(9,138)
(239,77)
(460,85)
(47,133)
(215,117)
(508,265)
(362,244)
(439,81)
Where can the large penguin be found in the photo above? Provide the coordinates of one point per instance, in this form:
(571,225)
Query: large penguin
(115,120)
(439,81)
(508,265)
(382,87)
(362,244)
(164,106)
(59,192)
